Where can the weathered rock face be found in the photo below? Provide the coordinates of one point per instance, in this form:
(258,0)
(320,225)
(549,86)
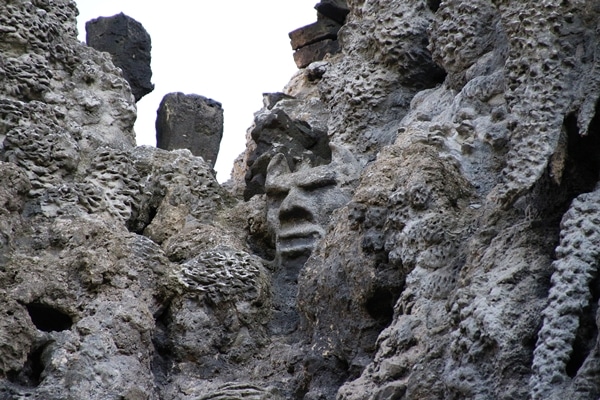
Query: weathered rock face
(274,132)
(126,40)
(190,122)
(445,248)
(454,226)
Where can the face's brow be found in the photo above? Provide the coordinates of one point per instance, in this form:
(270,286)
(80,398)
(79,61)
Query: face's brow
(316,178)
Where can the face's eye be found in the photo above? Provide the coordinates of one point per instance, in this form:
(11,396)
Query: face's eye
(276,192)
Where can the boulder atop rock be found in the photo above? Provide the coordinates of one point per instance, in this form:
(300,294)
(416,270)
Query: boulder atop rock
(126,40)
(323,29)
(336,10)
(190,122)
(313,42)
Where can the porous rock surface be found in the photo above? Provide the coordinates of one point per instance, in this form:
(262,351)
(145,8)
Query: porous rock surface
(426,224)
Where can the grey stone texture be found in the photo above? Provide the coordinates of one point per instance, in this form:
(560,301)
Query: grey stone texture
(190,121)
(312,43)
(427,227)
(321,30)
(126,40)
(275,132)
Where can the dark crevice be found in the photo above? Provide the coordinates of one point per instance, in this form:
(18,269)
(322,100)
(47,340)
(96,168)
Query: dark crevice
(31,373)
(578,174)
(433,5)
(140,220)
(582,170)
(583,161)
(162,359)
(380,306)
(49,319)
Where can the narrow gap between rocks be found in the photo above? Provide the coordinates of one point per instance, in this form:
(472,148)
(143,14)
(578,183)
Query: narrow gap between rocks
(140,221)
(581,175)
(580,172)
(433,5)
(380,306)
(161,361)
(31,373)
(583,162)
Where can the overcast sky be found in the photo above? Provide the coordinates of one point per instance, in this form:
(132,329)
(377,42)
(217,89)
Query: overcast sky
(230,51)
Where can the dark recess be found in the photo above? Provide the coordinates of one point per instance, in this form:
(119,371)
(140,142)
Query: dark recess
(433,5)
(162,360)
(141,219)
(583,163)
(581,174)
(380,306)
(31,374)
(48,319)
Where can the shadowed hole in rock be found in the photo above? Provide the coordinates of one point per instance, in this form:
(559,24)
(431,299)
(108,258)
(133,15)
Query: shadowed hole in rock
(583,163)
(162,361)
(31,373)
(380,306)
(140,220)
(582,171)
(433,5)
(49,319)
(578,174)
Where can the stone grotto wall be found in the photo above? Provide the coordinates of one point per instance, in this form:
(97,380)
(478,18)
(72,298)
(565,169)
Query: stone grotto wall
(415,217)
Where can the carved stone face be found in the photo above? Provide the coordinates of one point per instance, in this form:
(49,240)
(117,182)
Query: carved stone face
(300,203)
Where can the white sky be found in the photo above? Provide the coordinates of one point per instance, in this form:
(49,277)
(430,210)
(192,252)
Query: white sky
(231,51)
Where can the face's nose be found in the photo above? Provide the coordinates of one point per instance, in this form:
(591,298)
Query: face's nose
(297,207)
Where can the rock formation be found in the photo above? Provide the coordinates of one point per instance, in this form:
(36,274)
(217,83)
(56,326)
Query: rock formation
(313,42)
(126,40)
(190,122)
(420,218)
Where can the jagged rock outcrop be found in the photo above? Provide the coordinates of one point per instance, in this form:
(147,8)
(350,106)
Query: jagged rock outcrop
(190,122)
(315,41)
(420,218)
(126,40)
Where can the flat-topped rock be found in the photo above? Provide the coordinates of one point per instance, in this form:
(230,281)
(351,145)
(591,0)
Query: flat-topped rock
(323,29)
(126,40)
(190,121)
(306,55)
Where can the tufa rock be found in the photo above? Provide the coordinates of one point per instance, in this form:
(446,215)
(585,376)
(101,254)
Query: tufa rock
(446,247)
(275,132)
(126,40)
(190,122)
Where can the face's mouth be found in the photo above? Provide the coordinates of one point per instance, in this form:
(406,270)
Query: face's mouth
(298,239)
